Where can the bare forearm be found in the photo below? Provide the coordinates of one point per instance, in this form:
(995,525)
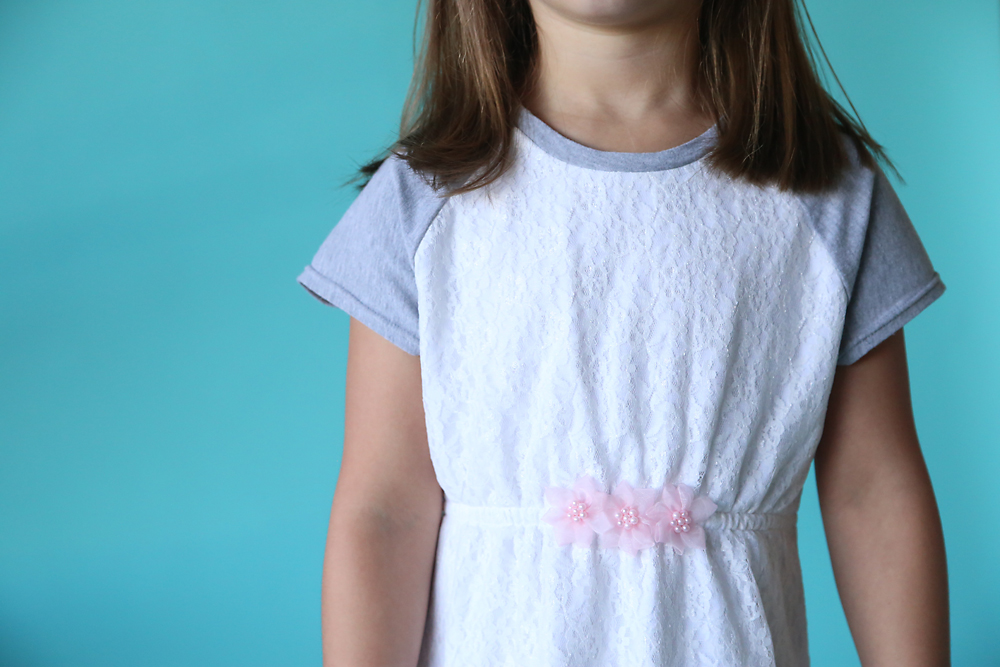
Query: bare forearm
(888,556)
(376,583)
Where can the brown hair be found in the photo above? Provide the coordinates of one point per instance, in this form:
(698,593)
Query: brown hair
(777,124)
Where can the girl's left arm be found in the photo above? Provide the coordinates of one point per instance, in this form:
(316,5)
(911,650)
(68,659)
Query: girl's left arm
(880,516)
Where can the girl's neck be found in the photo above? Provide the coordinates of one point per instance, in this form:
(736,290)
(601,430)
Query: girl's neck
(620,81)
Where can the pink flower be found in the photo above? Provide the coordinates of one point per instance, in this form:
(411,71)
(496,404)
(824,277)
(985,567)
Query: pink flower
(678,517)
(623,518)
(573,511)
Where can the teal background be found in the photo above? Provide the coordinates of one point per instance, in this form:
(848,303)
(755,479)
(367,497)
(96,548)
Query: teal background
(171,400)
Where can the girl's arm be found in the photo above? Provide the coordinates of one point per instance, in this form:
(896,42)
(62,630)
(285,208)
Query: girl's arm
(386,513)
(880,516)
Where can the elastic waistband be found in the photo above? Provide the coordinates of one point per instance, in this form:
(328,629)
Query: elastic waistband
(496,515)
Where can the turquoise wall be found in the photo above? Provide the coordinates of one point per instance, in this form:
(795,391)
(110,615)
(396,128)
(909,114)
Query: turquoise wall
(171,400)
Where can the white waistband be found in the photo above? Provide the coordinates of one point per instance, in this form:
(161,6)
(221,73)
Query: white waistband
(496,515)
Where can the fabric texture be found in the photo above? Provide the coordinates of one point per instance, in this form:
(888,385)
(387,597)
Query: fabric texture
(365,265)
(658,325)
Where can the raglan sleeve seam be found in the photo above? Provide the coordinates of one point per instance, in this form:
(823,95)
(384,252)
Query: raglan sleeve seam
(364,266)
(824,243)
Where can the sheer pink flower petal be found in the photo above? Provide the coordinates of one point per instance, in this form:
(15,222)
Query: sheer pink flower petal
(609,539)
(658,531)
(599,521)
(605,515)
(670,496)
(682,498)
(645,498)
(588,486)
(610,500)
(554,514)
(583,535)
(694,539)
(702,508)
(657,512)
(627,543)
(642,536)
(601,501)
(624,493)
(661,532)
(632,537)
(633,541)
(667,536)
(686,494)
(565,529)
(558,496)
(565,534)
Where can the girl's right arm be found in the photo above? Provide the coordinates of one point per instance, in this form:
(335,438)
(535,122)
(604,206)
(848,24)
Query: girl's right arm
(386,513)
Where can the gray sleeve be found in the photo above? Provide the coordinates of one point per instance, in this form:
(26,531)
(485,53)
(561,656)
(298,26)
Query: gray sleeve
(365,265)
(894,279)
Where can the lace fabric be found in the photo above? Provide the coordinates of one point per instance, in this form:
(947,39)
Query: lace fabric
(643,326)
(504,595)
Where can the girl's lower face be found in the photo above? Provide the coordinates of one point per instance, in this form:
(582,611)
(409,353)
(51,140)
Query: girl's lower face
(618,13)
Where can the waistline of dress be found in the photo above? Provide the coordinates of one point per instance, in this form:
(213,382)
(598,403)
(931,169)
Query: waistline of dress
(498,515)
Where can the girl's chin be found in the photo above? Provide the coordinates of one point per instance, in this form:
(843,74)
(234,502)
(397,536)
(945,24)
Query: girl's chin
(616,13)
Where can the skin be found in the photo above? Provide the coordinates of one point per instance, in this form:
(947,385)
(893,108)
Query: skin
(881,519)
(618,75)
(386,513)
(602,82)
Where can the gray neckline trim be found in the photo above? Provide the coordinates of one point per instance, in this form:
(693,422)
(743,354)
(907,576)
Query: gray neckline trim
(567,150)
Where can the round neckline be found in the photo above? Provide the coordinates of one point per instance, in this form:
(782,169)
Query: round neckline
(563,148)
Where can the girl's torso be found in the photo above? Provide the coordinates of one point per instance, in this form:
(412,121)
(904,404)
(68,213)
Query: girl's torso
(659,325)
(637,318)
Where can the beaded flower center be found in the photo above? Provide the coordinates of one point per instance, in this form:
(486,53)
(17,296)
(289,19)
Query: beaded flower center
(627,517)
(577,510)
(681,521)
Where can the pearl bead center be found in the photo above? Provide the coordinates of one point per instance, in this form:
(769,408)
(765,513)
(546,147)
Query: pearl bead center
(627,517)
(680,520)
(577,510)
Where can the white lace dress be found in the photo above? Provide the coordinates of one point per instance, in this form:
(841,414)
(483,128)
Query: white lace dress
(636,318)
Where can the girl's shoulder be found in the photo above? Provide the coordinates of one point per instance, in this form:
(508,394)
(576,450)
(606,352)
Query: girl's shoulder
(885,268)
(398,188)
(395,208)
(365,265)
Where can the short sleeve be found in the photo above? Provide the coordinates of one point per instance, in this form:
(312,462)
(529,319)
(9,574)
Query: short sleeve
(365,265)
(894,278)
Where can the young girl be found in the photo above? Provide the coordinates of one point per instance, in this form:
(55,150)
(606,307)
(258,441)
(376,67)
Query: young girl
(628,271)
